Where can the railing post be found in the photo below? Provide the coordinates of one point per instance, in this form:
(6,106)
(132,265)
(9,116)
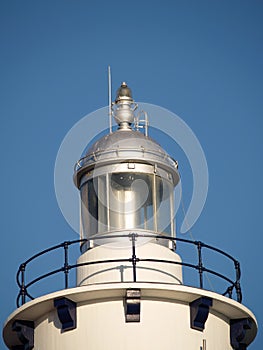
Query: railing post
(230,291)
(238,291)
(66,265)
(237,284)
(23,289)
(134,258)
(238,272)
(200,264)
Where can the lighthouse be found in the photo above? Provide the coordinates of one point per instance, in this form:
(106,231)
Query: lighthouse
(130,291)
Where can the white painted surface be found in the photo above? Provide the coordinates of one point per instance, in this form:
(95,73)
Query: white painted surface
(165,319)
(101,326)
(122,271)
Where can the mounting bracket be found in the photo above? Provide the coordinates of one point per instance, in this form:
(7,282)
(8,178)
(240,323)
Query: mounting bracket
(66,311)
(25,334)
(132,305)
(238,330)
(199,311)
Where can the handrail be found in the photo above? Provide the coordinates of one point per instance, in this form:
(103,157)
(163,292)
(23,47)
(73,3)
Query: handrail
(91,157)
(133,259)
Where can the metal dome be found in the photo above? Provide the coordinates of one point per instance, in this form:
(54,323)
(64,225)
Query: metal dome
(125,145)
(125,137)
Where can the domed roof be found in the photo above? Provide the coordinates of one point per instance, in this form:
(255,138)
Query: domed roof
(125,138)
(123,145)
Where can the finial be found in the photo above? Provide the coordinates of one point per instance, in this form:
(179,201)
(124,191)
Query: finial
(124,93)
(124,111)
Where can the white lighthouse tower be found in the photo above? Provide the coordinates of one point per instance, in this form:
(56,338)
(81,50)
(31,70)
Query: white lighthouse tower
(130,292)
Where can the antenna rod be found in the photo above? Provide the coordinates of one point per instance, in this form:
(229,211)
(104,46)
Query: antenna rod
(109,91)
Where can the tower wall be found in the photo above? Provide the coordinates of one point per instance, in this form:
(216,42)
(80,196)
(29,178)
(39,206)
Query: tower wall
(101,324)
(122,271)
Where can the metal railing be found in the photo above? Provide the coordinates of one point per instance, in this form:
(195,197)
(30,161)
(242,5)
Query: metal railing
(24,285)
(112,153)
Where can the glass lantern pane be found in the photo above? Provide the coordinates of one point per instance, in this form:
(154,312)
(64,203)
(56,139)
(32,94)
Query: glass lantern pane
(130,196)
(94,206)
(163,205)
(127,200)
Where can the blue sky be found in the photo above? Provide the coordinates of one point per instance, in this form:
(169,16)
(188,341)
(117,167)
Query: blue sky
(203,60)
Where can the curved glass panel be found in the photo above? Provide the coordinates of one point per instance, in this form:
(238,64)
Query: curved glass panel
(127,201)
(130,195)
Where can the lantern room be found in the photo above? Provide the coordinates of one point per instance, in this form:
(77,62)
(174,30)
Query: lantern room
(126,179)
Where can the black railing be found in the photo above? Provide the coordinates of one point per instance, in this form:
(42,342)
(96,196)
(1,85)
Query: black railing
(133,259)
